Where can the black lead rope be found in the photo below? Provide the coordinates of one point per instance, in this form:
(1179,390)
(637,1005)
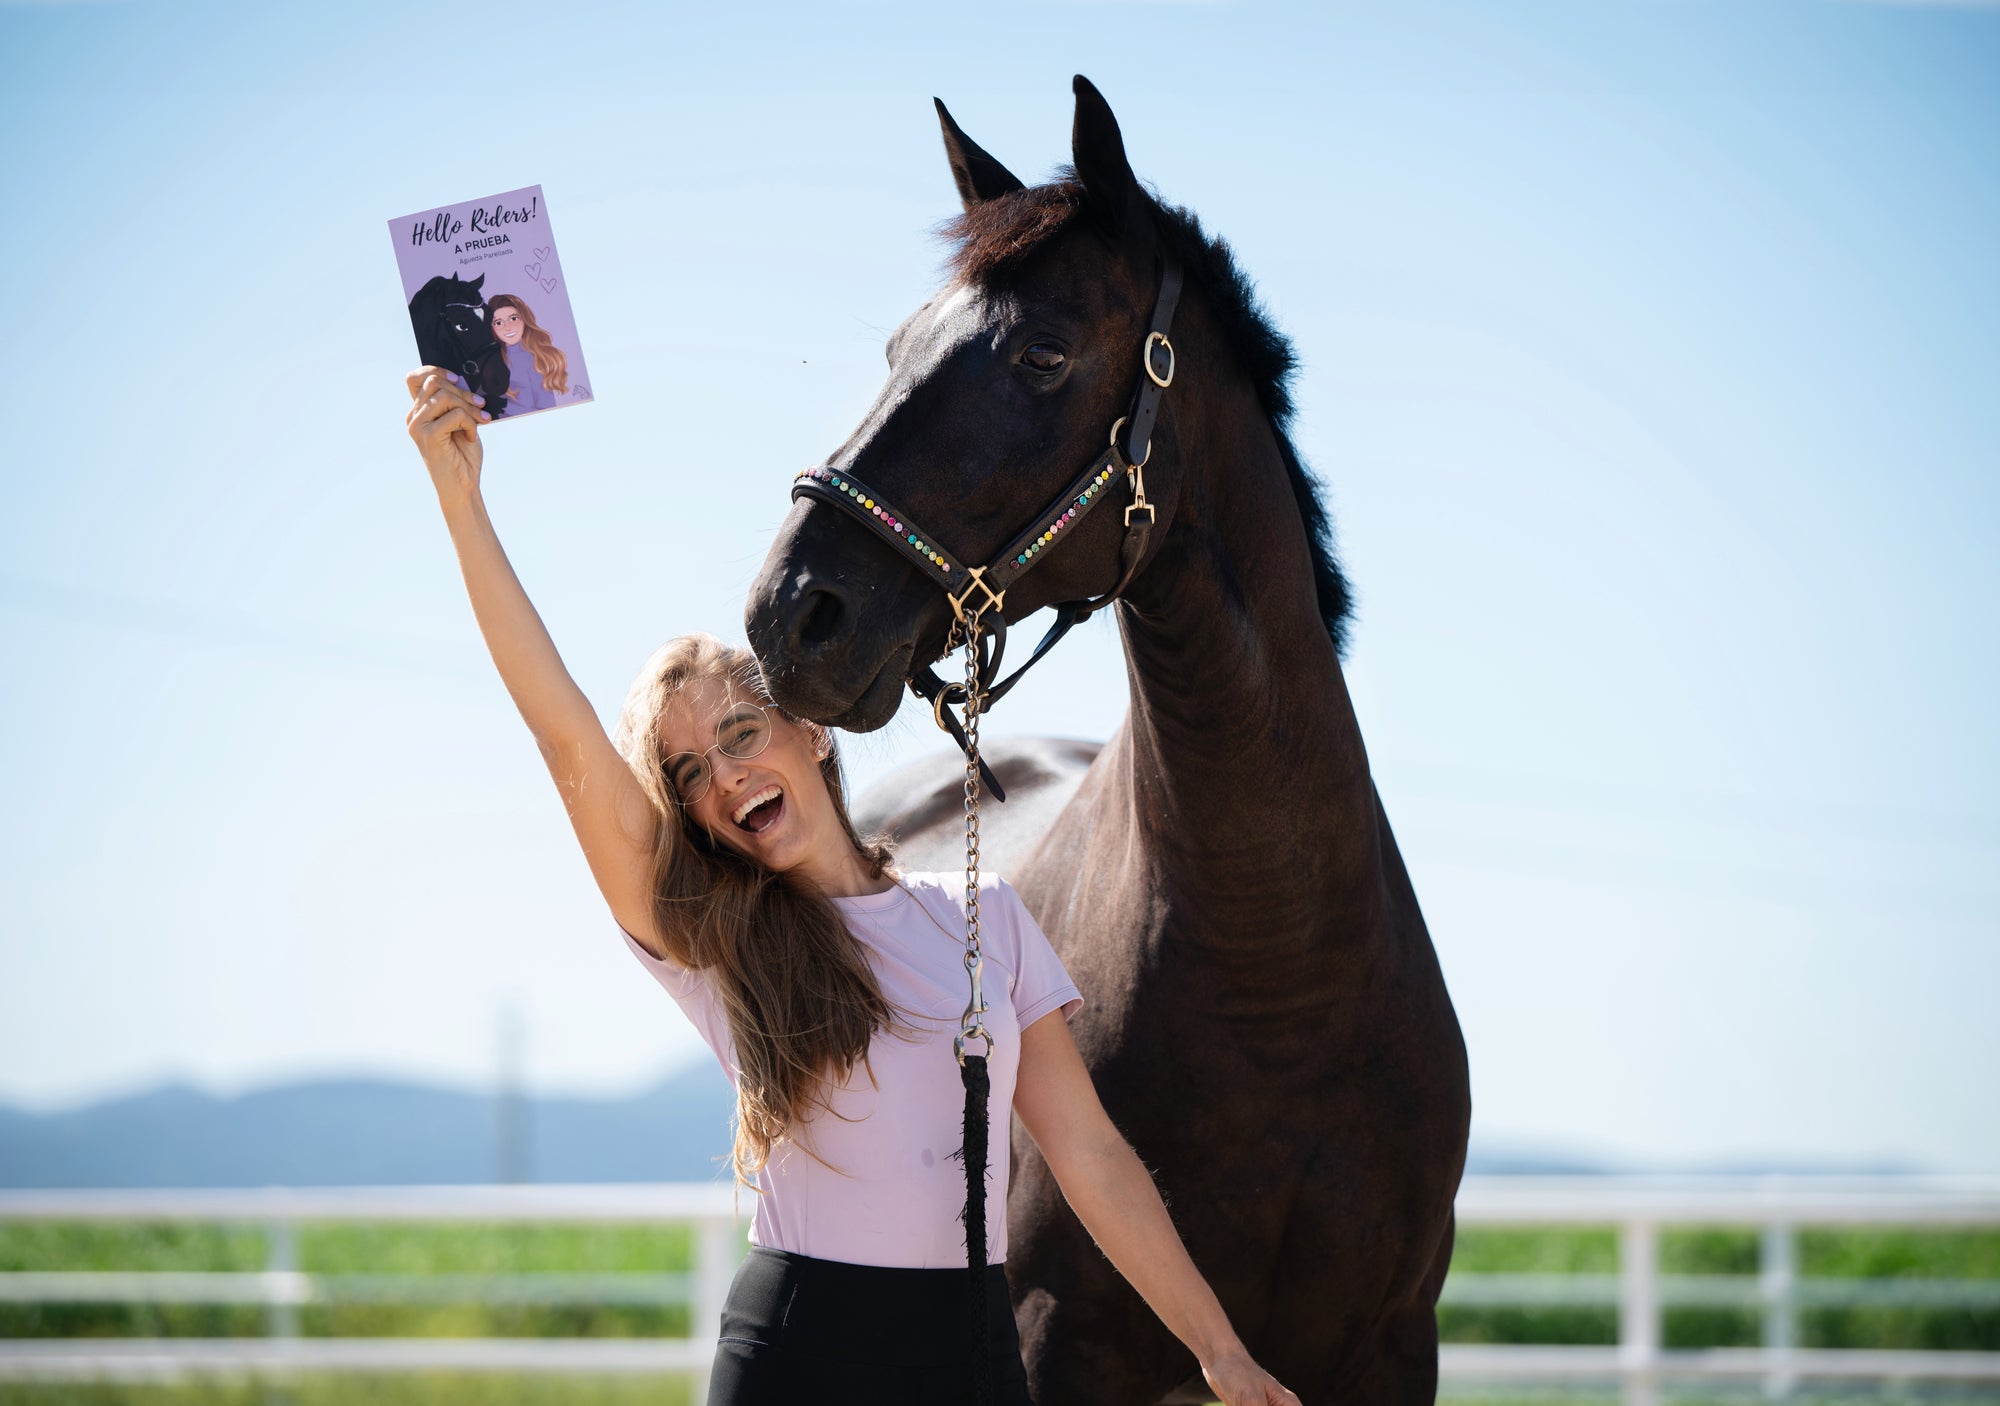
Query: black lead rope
(972,591)
(978,1087)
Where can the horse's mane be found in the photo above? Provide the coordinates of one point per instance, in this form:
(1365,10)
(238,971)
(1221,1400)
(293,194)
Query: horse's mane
(994,239)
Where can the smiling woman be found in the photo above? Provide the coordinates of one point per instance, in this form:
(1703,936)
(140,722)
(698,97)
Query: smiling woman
(741,882)
(831,987)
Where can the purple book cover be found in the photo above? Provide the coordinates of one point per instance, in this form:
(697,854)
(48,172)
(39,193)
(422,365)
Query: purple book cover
(488,300)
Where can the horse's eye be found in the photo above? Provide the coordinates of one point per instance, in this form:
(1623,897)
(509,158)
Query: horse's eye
(1043,356)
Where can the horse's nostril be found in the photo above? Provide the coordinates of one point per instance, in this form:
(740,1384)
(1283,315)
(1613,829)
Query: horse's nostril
(821,622)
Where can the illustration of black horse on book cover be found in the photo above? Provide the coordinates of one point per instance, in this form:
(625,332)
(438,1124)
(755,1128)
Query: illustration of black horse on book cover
(454,331)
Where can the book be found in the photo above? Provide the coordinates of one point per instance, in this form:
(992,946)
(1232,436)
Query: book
(488,301)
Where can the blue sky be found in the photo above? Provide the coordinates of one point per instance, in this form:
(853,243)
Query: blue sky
(1649,354)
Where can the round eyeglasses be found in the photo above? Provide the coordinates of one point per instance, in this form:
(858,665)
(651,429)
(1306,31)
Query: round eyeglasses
(743,732)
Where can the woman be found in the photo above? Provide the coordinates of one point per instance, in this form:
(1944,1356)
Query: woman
(537,371)
(830,987)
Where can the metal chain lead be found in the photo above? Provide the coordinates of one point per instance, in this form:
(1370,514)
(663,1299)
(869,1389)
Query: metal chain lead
(972,1068)
(973,1026)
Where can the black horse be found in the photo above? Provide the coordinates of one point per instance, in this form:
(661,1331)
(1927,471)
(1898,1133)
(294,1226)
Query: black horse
(454,331)
(1265,1019)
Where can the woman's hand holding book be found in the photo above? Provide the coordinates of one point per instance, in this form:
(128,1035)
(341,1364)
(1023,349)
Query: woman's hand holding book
(444,421)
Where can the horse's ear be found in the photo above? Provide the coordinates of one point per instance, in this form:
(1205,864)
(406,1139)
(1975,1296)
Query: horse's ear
(474,285)
(1110,189)
(977,175)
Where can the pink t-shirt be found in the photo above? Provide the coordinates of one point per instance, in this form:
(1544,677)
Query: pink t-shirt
(897,1195)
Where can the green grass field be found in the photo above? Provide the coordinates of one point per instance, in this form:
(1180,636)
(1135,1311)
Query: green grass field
(1857,1254)
(448,1389)
(414,1389)
(497,1249)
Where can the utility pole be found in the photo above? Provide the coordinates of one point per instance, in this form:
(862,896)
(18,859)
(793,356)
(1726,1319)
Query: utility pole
(514,1115)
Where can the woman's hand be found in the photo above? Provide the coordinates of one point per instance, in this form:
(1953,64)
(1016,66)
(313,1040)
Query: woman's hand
(444,421)
(1238,1381)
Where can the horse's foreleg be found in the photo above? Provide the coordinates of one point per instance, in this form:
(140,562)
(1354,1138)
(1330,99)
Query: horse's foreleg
(1403,1367)
(1087,1337)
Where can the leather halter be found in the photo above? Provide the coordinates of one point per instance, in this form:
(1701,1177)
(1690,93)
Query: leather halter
(974,590)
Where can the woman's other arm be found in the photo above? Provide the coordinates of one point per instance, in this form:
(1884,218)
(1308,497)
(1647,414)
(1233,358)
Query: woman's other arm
(1113,1195)
(613,820)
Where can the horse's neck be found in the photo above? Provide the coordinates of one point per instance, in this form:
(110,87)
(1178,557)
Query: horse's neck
(1246,768)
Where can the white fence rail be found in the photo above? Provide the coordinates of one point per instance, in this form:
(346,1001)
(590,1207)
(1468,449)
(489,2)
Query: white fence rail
(1776,1206)
(1638,1206)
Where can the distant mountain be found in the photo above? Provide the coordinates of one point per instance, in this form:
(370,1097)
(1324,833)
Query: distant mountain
(352,1132)
(1495,1157)
(382,1132)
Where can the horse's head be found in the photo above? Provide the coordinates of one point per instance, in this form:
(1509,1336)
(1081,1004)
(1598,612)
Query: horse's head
(1001,389)
(450,319)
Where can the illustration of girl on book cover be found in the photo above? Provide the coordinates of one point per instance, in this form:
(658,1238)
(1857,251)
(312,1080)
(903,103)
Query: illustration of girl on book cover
(537,370)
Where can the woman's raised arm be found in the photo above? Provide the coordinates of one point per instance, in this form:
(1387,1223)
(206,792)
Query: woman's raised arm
(614,821)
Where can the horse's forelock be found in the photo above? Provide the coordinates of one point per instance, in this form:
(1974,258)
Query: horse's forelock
(995,237)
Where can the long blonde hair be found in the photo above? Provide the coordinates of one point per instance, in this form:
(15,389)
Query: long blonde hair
(801,1000)
(550,363)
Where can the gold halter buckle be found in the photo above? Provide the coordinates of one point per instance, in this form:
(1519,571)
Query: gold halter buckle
(994,598)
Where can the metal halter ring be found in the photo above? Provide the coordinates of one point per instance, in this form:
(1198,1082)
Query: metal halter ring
(1146,359)
(939,703)
(1130,467)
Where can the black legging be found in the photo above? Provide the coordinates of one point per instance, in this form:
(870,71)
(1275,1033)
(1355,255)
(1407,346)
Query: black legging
(809,1332)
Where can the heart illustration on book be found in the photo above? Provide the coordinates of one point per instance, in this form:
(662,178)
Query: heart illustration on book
(549,284)
(533,270)
(544,253)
